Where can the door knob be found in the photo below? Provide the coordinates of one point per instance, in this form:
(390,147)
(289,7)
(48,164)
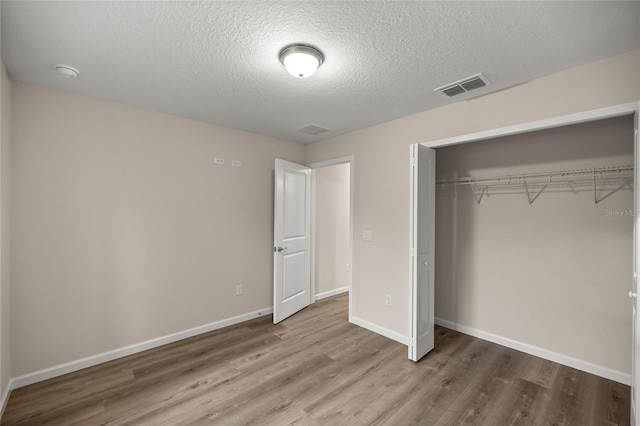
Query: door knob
(424,263)
(632,295)
(279,249)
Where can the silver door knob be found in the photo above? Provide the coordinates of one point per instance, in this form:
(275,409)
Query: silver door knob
(425,263)
(279,249)
(632,295)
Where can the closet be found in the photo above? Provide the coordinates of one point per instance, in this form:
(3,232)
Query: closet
(534,239)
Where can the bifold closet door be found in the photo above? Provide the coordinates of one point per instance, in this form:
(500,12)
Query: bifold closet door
(423,178)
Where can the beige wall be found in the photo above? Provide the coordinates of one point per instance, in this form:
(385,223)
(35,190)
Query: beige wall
(5,260)
(382,174)
(332,228)
(557,272)
(124,229)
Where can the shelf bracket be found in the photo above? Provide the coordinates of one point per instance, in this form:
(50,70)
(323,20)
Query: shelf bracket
(475,193)
(595,191)
(526,188)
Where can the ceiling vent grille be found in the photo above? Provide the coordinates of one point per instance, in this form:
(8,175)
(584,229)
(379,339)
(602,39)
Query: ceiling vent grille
(312,129)
(463,86)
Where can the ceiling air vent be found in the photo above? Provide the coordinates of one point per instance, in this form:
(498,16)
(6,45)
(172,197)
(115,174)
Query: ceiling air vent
(463,86)
(312,129)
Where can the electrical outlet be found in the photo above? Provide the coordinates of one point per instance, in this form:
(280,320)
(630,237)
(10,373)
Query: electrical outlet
(218,160)
(239,290)
(236,163)
(366,236)
(387,300)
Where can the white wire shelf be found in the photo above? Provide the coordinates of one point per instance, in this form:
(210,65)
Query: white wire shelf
(609,179)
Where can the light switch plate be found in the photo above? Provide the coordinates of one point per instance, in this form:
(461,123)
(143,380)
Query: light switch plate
(366,235)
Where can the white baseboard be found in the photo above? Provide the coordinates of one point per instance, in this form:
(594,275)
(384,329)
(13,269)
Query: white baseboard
(598,370)
(380,330)
(330,293)
(72,366)
(5,397)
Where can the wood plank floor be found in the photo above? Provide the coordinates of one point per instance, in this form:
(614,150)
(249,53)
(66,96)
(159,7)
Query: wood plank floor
(317,369)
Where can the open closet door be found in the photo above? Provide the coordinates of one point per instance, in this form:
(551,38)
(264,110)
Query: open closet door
(633,294)
(423,220)
(291,240)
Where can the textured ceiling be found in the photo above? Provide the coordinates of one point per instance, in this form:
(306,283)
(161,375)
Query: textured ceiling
(218,61)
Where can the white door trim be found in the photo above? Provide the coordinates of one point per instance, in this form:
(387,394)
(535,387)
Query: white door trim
(635,359)
(548,123)
(342,160)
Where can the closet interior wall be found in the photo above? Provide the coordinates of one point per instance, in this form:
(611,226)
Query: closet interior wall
(555,273)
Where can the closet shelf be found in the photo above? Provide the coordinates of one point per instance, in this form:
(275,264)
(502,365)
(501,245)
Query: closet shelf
(611,178)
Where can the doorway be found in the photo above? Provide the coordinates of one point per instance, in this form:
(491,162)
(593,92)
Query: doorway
(332,224)
(298,281)
(529,237)
(584,117)
(332,265)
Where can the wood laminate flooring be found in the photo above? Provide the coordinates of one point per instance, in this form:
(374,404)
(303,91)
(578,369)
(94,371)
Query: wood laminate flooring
(317,369)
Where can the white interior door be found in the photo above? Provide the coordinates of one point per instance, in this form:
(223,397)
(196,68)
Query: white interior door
(423,222)
(291,240)
(635,377)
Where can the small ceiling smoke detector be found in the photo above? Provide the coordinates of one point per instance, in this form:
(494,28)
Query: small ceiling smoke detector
(67,71)
(301,60)
(463,86)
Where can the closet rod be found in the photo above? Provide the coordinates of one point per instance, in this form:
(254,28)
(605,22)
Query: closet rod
(564,175)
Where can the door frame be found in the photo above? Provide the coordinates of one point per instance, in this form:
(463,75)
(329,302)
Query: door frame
(633,294)
(548,123)
(337,161)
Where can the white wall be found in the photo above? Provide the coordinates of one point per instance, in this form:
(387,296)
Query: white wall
(332,228)
(5,232)
(556,273)
(382,176)
(123,228)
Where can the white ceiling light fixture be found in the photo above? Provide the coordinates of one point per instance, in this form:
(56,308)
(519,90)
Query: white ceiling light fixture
(67,71)
(301,60)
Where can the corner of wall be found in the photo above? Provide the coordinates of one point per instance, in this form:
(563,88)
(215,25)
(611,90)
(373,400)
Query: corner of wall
(5,275)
